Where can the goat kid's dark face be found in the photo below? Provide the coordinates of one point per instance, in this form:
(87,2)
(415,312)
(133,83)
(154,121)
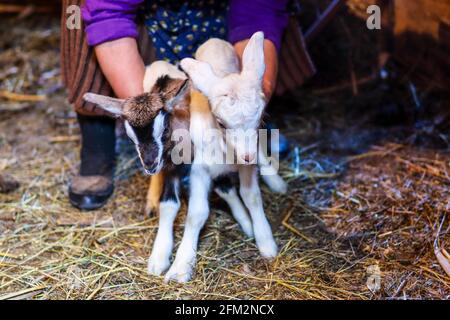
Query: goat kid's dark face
(147,119)
(152,141)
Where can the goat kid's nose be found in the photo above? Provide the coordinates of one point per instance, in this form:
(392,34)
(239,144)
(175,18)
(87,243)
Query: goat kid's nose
(248,158)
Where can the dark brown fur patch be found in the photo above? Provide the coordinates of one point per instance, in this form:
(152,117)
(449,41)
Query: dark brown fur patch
(139,111)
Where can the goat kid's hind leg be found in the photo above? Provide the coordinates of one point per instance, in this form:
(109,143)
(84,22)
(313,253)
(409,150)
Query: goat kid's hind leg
(169,206)
(225,189)
(251,195)
(270,175)
(198,211)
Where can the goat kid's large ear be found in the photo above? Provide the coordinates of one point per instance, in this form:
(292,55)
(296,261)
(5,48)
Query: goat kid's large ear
(253,64)
(111,105)
(201,74)
(177,92)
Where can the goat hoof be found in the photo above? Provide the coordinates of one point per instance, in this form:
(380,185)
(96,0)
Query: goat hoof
(268,250)
(150,210)
(179,273)
(278,185)
(157,266)
(281,187)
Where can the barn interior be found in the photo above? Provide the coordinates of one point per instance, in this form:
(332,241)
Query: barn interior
(367,212)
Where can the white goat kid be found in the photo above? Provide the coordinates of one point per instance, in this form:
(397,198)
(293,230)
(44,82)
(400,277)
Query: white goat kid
(236,98)
(201,177)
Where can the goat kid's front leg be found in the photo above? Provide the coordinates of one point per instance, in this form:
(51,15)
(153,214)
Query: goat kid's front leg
(225,189)
(154,194)
(169,206)
(198,211)
(251,195)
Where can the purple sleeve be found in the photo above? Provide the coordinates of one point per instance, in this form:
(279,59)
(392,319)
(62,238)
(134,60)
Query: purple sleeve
(108,20)
(247,17)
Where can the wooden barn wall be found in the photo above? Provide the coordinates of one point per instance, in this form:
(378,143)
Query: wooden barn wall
(421,36)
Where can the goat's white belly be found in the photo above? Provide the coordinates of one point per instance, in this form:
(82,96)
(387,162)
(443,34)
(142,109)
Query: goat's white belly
(215,170)
(220,169)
